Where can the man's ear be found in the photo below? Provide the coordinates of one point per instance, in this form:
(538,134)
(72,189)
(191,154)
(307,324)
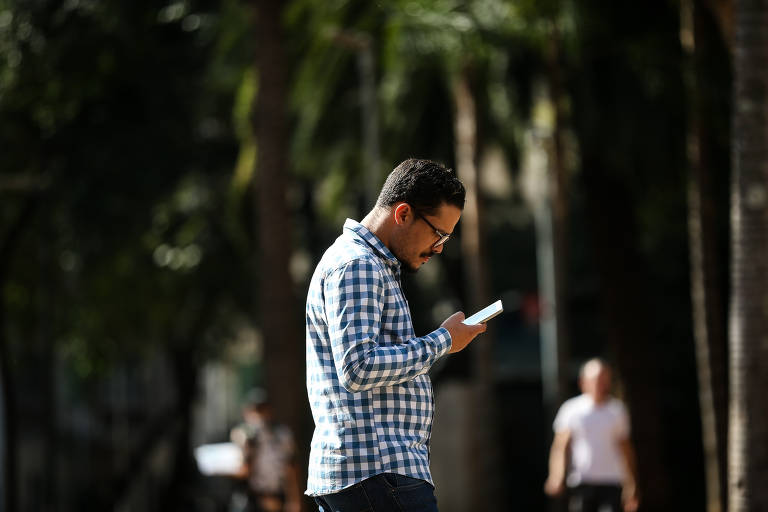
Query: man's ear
(401,212)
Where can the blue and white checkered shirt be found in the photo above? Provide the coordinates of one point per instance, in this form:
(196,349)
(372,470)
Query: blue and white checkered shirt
(366,370)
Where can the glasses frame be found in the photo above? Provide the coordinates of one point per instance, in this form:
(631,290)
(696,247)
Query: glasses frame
(441,237)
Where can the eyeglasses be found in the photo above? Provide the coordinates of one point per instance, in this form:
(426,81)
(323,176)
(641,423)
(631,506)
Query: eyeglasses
(441,237)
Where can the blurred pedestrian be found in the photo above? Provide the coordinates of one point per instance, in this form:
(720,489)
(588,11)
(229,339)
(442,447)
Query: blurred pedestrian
(367,378)
(592,460)
(269,467)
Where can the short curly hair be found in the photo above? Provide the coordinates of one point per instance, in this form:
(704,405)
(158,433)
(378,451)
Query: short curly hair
(423,184)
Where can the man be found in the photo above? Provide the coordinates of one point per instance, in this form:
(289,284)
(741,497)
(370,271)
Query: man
(366,369)
(269,468)
(593,429)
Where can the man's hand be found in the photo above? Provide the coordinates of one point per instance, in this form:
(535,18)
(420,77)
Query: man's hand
(554,487)
(461,334)
(558,462)
(630,499)
(629,492)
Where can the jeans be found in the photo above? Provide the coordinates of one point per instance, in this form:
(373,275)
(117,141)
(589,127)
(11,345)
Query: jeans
(595,498)
(387,492)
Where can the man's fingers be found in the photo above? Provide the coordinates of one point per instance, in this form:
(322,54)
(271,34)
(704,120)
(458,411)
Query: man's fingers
(478,329)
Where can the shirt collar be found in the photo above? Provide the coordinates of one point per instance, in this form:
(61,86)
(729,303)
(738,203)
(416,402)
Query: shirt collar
(361,232)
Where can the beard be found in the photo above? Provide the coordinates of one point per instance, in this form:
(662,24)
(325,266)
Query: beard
(410,270)
(407,266)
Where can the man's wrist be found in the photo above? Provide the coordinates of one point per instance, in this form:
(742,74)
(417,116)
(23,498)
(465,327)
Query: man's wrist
(443,339)
(629,491)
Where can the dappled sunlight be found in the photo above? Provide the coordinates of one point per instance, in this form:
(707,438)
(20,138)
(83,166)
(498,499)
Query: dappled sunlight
(171,175)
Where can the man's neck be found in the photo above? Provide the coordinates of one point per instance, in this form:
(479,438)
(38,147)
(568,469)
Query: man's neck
(376,223)
(598,400)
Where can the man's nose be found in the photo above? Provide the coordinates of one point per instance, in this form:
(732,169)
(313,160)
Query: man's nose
(438,249)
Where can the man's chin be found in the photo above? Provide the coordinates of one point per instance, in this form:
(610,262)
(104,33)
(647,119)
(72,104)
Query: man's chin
(408,267)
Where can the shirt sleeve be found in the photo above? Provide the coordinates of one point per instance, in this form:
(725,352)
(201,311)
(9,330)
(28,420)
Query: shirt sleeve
(354,305)
(562,419)
(622,422)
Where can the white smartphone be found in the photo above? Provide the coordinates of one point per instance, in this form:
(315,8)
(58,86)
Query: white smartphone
(485,314)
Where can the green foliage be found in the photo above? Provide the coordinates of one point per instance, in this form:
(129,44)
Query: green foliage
(418,47)
(325,92)
(122,111)
(127,126)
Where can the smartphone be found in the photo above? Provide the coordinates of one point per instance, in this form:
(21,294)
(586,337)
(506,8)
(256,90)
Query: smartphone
(485,314)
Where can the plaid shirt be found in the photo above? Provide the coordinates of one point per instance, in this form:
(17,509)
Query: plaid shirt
(366,370)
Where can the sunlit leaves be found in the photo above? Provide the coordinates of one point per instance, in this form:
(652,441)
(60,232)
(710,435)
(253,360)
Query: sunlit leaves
(127,116)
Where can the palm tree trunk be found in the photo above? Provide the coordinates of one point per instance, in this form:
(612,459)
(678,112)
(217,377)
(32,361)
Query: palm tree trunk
(8,403)
(280,317)
(8,501)
(624,299)
(748,426)
(277,303)
(482,446)
(560,206)
(545,186)
(706,287)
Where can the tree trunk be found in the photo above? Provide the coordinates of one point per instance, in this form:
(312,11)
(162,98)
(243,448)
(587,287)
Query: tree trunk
(748,329)
(185,473)
(44,355)
(545,189)
(560,206)
(281,320)
(366,63)
(483,445)
(8,402)
(706,287)
(624,300)
(8,501)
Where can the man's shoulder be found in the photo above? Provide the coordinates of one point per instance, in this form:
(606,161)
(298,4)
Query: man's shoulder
(575,403)
(345,251)
(568,411)
(616,406)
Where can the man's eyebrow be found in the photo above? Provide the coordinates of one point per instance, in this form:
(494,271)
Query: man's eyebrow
(443,231)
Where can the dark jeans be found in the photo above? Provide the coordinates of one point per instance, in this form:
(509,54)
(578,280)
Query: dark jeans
(387,492)
(594,498)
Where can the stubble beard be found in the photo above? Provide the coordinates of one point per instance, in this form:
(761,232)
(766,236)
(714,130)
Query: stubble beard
(407,266)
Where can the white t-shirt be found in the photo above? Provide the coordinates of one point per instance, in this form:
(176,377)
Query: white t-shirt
(596,431)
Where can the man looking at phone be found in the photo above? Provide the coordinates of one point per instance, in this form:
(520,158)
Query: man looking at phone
(366,369)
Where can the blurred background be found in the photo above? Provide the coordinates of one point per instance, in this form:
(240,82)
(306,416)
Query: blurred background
(171,172)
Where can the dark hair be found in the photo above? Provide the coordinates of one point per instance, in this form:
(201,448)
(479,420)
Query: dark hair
(423,184)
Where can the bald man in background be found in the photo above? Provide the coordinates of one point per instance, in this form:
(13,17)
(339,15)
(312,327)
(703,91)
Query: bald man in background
(592,459)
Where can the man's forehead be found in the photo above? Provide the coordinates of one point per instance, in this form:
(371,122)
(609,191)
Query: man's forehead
(447,211)
(594,368)
(446,218)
